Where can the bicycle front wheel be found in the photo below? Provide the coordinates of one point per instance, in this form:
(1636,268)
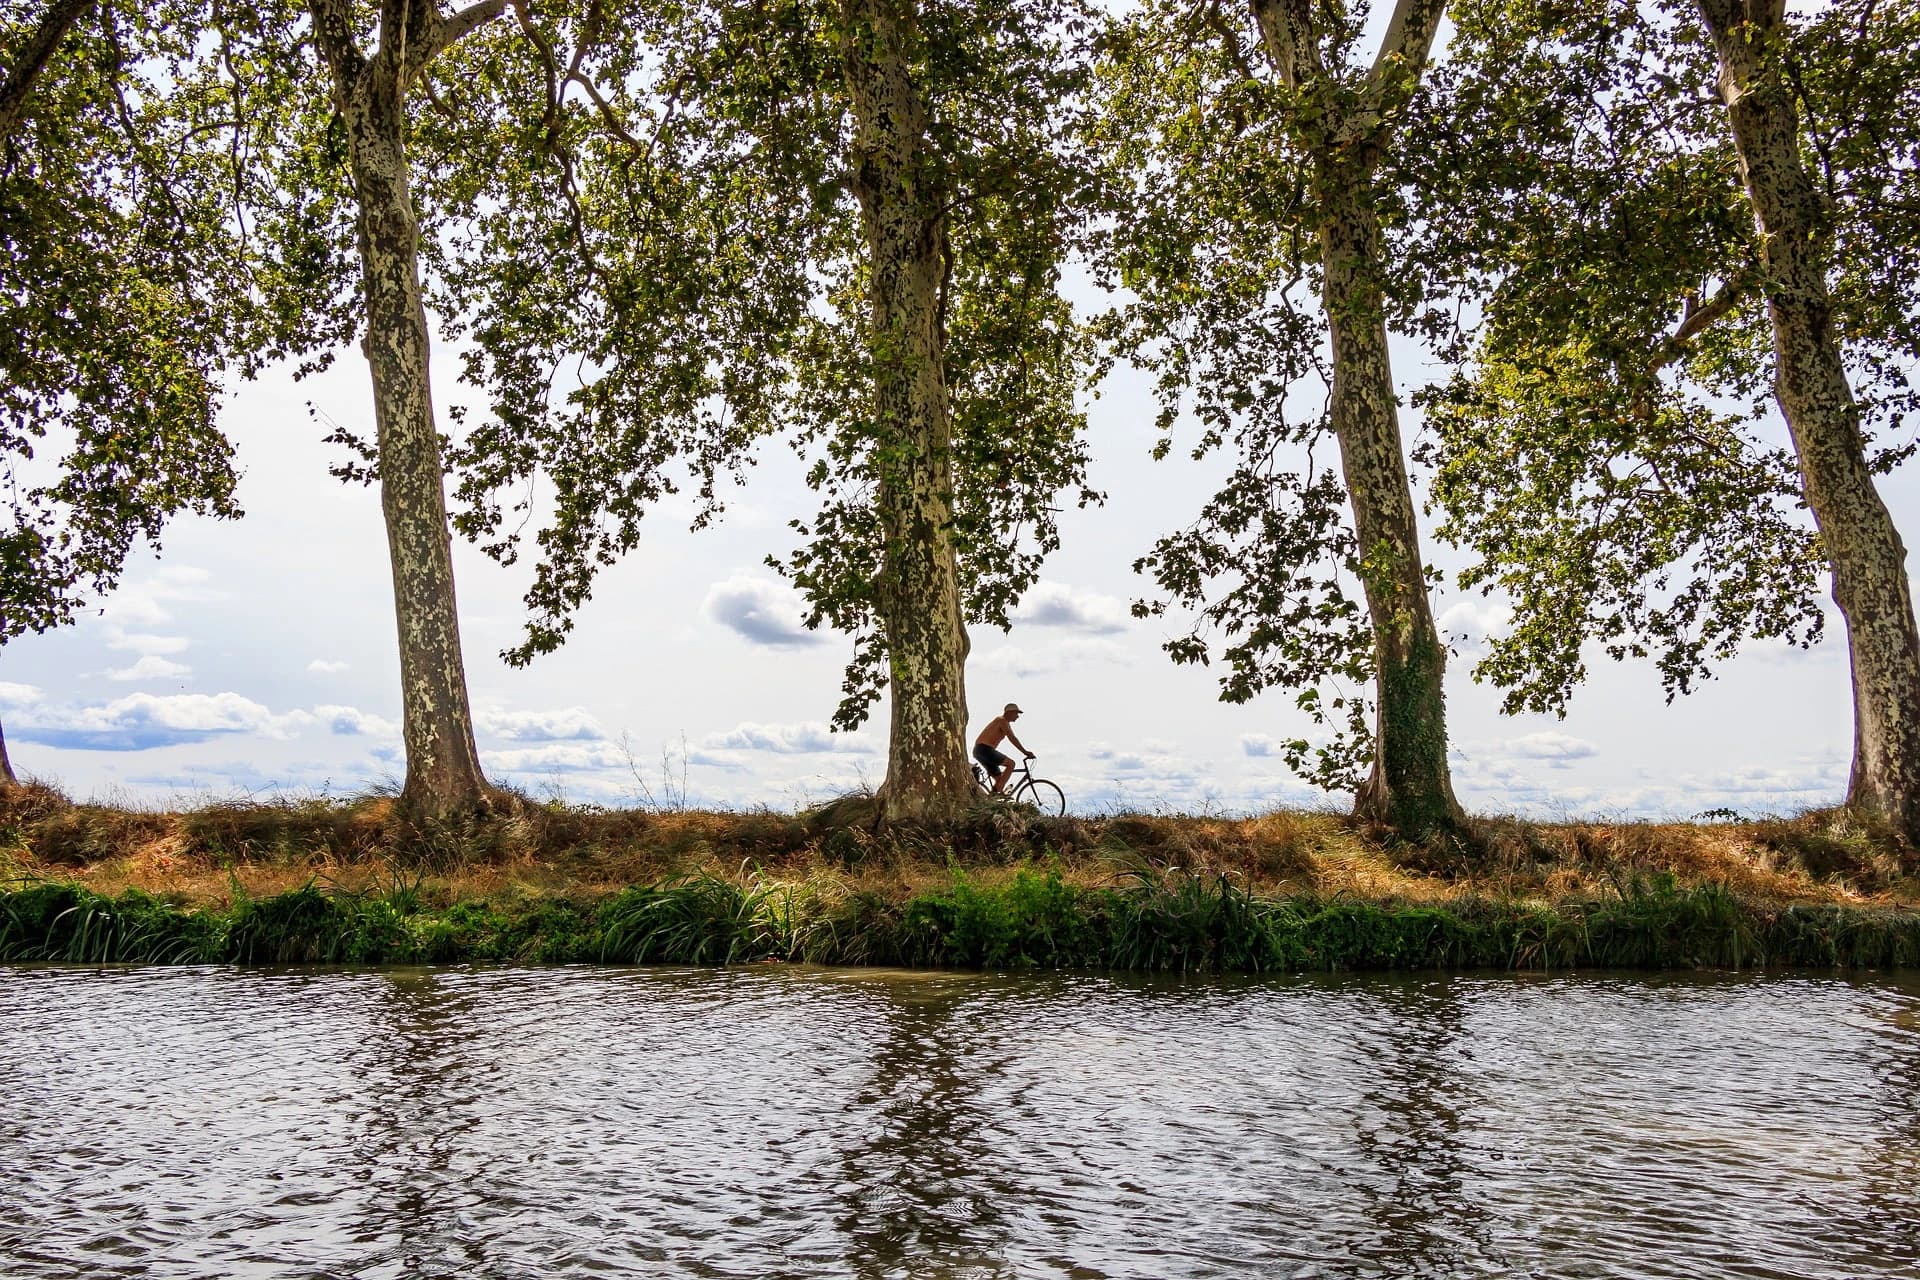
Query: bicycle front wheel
(1044,796)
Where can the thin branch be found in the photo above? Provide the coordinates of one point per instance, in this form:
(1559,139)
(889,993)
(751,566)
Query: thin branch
(1701,316)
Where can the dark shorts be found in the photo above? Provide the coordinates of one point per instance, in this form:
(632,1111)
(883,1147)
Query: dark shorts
(987,756)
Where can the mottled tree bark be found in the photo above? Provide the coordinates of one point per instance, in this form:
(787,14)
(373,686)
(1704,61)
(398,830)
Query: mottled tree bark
(904,203)
(1863,548)
(24,66)
(6,766)
(443,767)
(1410,786)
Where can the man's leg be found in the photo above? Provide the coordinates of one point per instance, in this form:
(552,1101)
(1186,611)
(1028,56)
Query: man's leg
(1000,779)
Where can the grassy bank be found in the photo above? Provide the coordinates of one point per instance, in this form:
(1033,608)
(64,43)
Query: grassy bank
(1032,919)
(341,882)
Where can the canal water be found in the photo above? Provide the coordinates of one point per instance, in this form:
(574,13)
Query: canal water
(795,1122)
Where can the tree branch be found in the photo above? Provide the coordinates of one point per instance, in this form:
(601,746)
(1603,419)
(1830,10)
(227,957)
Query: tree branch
(1409,36)
(32,59)
(333,32)
(1286,28)
(464,23)
(1700,317)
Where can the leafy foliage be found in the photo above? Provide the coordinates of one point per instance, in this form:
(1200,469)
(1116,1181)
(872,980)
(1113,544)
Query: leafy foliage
(694,160)
(1219,252)
(123,303)
(1607,455)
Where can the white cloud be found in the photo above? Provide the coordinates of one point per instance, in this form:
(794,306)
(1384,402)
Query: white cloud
(1548,745)
(557,757)
(1259,745)
(1046,659)
(1150,757)
(327,666)
(1469,624)
(761,611)
(1054,605)
(351,722)
(17,695)
(147,643)
(568,724)
(150,667)
(141,721)
(784,739)
(147,602)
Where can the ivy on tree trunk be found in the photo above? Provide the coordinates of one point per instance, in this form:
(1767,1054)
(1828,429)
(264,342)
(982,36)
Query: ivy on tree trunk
(1409,785)
(1259,150)
(903,202)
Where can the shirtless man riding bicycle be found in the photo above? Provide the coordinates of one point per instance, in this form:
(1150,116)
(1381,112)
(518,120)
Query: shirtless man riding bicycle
(986,750)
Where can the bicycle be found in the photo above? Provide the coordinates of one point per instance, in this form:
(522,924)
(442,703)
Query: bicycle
(1043,795)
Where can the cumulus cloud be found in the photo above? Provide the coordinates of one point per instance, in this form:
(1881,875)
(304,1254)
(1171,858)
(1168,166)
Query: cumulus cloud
(556,757)
(147,643)
(17,695)
(1149,756)
(568,724)
(1548,745)
(1047,659)
(761,611)
(811,737)
(351,722)
(151,667)
(141,721)
(1054,605)
(716,760)
(148,602)
(327,666)
(1259,745)
(1469,624)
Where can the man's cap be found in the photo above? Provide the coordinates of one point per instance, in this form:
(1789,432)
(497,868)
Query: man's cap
(1012,709)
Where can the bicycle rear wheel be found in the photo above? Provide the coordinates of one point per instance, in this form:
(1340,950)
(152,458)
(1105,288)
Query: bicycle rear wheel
(1044,796)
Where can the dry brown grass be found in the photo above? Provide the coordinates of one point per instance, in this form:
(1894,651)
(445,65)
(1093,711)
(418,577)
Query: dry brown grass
(203,855)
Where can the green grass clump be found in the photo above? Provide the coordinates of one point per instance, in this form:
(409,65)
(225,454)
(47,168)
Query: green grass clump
(1033,919)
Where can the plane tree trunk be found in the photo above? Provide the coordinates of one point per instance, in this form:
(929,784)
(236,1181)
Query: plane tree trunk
(6,766)
(1342,137)
(897,180)
(1857,533)
(443,767)
(1410,785)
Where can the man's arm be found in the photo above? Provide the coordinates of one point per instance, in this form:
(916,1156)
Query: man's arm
(1014,738)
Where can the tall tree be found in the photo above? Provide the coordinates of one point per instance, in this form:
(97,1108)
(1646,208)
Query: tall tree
(370,92)
(842,221)
(122,305)
(1715,207)
(323,99)
(1267,156)
(1796,256)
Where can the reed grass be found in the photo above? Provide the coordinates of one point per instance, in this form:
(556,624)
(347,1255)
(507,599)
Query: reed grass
(1034,918)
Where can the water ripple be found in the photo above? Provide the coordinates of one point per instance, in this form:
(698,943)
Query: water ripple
(798,1123)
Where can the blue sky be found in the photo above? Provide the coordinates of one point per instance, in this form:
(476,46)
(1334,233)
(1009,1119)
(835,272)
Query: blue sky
(258,657)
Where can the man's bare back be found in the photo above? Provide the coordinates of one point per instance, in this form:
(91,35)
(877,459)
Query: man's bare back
(986,747)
